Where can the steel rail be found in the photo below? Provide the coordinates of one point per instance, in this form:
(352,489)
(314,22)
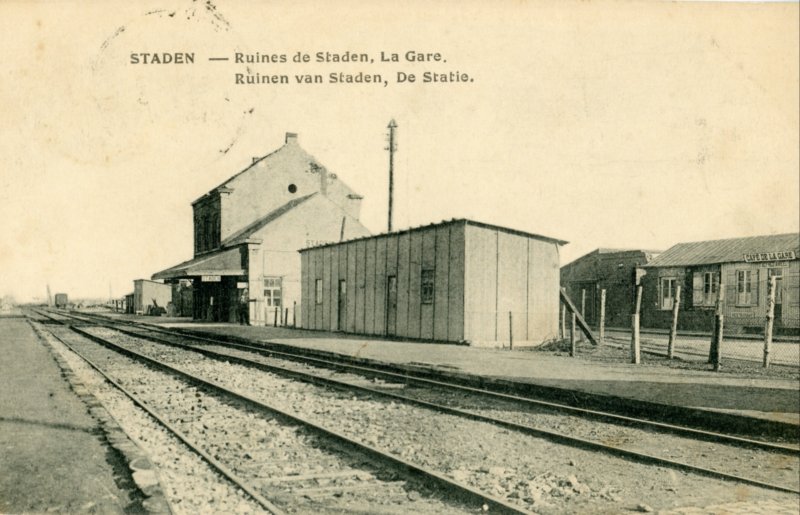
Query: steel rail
(222,469)
(453,488)
(410,378)
(555,436)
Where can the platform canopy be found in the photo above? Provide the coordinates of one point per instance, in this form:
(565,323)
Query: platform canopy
(222,262)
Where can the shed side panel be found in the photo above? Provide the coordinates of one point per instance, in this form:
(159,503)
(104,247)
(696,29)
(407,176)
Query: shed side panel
(318,275)
(304,299)
(403,278)
(333,266)
(360,284)
(456,292)
(428,263)
(414,271)
(352,276)
(343,252)
(480,309)
(379,306)
(543,287)
(512,288)
(326,288)
(369,286)
(441,302)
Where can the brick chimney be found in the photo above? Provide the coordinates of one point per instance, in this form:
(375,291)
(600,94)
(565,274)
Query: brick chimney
(291,137)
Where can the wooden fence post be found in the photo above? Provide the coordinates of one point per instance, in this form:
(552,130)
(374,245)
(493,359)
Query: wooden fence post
(636,351)
(638,300)
(673,332)
(583,309)
(714,350)
(770,319)
(718,332)
(275,322)
(572,336)
(294,315)
(602,315)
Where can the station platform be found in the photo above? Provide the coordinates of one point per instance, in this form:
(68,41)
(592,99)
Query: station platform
(745,396)
(53,454)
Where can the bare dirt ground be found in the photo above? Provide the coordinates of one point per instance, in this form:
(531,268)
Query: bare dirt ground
(53,458)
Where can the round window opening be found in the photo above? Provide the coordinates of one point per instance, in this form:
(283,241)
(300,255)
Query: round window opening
(292,188)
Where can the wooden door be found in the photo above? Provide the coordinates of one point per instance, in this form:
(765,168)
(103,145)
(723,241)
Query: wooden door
(391,305)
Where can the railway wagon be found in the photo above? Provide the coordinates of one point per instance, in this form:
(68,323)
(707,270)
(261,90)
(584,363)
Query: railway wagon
(61,300)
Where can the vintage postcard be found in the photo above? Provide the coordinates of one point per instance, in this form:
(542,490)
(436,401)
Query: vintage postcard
(588,204)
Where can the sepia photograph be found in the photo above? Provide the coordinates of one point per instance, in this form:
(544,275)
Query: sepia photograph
(523,256)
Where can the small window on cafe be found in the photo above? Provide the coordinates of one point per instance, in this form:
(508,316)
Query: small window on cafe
(426,286)
(746,294)
(667,293)
(272,292)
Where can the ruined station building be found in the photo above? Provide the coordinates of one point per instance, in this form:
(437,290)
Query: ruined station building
(248,230)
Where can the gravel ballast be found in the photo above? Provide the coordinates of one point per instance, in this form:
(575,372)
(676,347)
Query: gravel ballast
(535,474)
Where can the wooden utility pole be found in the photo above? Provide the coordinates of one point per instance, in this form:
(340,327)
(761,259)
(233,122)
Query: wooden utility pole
(391,148)
(673,332)
(583,309)
(715,351)
(602,315)
(773,283)
(572,335)
(636,350)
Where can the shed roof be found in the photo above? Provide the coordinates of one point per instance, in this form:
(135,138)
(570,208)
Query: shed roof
(455,221)
(725,251)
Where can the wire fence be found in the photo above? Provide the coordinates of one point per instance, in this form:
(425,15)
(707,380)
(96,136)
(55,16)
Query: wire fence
(715,336)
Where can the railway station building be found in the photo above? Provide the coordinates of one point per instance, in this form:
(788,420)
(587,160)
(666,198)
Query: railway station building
(248,230)
(612,270)
(739,269)
(457,281)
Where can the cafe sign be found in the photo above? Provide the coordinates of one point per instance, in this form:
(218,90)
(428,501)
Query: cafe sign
(758,257)
(211,278)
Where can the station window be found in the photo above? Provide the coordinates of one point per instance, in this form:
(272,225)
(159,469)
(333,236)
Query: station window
(667,293)
(426,286)
(318,291)
(706,286)
(272,292)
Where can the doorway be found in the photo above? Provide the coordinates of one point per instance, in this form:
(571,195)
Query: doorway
(391,305)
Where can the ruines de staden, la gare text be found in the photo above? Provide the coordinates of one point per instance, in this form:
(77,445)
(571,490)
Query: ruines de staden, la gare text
(359,77)
(411,56)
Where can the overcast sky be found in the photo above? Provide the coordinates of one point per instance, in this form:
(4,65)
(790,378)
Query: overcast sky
(631,125)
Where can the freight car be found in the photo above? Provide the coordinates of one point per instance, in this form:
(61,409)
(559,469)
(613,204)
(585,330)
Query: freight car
(61,300)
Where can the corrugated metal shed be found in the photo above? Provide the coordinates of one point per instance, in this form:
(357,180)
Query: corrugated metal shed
(725,251)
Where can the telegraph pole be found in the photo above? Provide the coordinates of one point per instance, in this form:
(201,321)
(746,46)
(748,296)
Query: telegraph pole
(391,148)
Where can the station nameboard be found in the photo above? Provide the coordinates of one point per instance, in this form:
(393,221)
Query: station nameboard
(757,257)
(211,278)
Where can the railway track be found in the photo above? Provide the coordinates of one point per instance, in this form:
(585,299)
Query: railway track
(284,462)
(723,457)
